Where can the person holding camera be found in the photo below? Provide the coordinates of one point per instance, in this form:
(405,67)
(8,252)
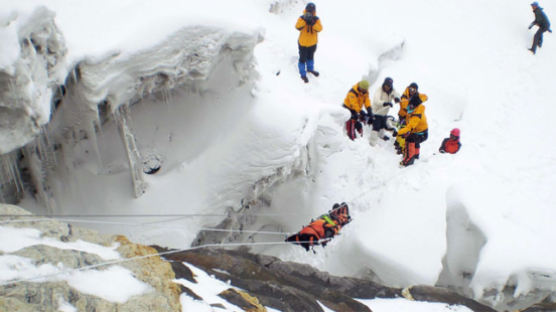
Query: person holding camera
(309,26)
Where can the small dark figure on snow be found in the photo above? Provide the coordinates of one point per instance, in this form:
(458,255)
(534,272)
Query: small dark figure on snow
(451,145)
(357,98)
(309,26)
(542,22)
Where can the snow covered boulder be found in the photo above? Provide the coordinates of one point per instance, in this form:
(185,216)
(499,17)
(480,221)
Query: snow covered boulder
(47,265)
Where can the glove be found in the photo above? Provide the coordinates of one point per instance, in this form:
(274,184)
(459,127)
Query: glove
(354,114)
(387,104)
(397,99)
(308,18)
(312,20)
(394,133)
(363,116)
(531,25)
(550,30)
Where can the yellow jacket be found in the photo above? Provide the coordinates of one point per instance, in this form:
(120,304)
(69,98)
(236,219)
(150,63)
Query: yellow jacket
(416,121)
(356,99)
(404,102)
(307,33)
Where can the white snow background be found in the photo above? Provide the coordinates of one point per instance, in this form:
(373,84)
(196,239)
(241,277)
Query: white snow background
(470,58)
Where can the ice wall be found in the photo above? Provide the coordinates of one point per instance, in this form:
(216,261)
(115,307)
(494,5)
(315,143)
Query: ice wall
(32,64)
(45,117)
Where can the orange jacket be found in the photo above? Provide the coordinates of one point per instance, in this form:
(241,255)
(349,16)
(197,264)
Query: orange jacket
(415,121)
(308,35)
(356,99)
(319,227)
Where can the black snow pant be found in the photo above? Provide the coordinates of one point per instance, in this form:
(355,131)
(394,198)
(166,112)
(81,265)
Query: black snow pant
(537,40)
(306,53)
(418,138)
(379,122)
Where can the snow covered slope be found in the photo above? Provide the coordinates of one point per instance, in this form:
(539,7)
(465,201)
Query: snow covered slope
(274,156)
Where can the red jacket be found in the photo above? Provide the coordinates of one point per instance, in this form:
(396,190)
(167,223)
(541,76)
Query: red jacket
(450,145)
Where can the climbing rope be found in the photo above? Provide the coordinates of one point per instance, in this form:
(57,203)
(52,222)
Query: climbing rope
(119,261)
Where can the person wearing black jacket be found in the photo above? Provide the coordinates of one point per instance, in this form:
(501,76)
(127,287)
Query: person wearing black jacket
(542,22)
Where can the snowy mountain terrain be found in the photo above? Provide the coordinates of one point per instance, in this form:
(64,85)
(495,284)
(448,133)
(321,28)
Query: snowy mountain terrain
(178,117)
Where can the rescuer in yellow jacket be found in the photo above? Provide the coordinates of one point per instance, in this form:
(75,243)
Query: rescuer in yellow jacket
(416,130)
(309,26)
(357,98)
(404,100)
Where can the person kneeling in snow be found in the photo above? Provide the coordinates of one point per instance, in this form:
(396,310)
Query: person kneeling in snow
(323,229)
(416,129)
(356,98)
(451,145)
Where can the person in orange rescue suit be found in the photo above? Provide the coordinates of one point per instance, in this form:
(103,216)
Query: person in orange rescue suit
(321,230)
(309,26)
(383,100)
(451,145)
(415,131)
(357,98)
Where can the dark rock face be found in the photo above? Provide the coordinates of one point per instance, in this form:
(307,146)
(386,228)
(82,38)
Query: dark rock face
(437,294)
(289,286)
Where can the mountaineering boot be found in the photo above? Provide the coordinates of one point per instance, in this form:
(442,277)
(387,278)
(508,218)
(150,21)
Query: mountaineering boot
(383,136)
(314,72)
(532,51)
(409,154)
(304,78)
(311,68)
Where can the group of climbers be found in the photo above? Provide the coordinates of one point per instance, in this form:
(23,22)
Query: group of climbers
(411,116)
(411,132)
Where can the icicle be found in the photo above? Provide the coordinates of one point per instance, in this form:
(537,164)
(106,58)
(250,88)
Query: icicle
(46,149)
(93,141)
(11,190)
(38,175)
(133,155)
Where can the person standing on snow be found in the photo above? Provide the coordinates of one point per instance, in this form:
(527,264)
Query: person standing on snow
(309,26)
(544,25)
(451,145)
(416,129)
(382,102)
(356,98)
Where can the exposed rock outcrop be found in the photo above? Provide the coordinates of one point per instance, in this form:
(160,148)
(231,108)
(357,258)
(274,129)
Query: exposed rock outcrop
(289,286)
(44,293)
